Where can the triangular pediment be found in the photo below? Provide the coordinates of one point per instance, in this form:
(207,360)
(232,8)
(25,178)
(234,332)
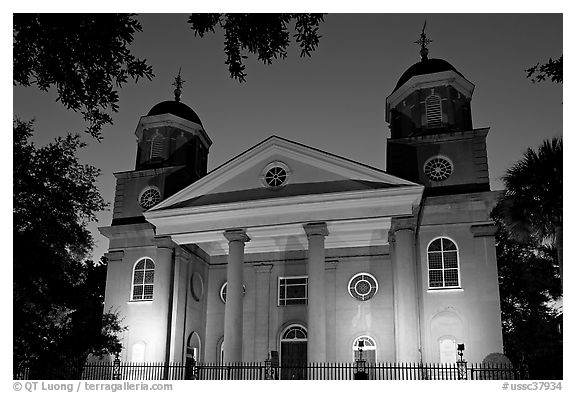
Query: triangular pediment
(309,171)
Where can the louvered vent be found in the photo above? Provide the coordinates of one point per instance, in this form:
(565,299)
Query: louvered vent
(433,112)
(157,148)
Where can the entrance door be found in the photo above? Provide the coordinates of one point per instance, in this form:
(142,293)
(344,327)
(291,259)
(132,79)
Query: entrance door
(293,352)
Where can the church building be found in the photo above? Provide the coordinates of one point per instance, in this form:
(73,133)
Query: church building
(288,249)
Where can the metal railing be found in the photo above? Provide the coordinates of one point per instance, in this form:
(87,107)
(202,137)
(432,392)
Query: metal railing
(261,370)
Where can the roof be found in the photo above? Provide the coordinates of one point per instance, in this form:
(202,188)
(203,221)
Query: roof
(176,108)
(427,66)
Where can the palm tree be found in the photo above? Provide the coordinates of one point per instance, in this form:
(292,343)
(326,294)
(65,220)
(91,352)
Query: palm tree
(531,206)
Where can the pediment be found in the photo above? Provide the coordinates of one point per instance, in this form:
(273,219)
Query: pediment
(309,172)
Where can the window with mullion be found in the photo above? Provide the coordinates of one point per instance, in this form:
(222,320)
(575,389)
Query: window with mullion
(292,291)
(443,266)
(143,280)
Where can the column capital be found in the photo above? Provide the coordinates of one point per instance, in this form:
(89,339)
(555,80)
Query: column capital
(316,228)
(263,268)
(481,230)
(331,264)
(403,223)
(236,235)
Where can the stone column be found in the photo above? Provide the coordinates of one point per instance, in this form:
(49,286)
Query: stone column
(406,321)
(233,311)
(262,318)
(316,294)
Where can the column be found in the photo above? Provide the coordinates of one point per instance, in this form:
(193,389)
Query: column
(233,311)
(406,323)
(262,317)
(316,294)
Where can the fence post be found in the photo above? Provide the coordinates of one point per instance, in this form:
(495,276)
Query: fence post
(116,374)
(462,372)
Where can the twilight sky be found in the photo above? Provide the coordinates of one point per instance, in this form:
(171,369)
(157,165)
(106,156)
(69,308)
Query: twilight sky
(334,100)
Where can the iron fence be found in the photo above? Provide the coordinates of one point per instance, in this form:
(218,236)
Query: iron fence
(263,370)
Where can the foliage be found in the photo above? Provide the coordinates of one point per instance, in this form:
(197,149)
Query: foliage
(266,35)
(531,208)
(529,251)
(85,57)
(551,70)
(529,286)
(57,295)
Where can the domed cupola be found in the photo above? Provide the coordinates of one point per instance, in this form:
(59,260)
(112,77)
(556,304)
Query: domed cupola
(172,134)
(431,97)
(432,140)
(175,108)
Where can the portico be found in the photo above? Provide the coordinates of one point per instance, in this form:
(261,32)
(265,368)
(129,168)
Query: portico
(275,226)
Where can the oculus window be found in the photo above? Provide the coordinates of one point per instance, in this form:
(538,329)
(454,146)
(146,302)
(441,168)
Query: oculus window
(362,286)
(149,197)
(438,168)
(275,175)
(224,288)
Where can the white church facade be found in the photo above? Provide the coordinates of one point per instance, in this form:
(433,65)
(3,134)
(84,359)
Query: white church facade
(290,249)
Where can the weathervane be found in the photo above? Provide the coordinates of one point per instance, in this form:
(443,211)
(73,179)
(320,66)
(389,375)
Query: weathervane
(423,42)
(178,82)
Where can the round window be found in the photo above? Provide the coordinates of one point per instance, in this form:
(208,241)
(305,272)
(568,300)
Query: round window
(275,175)
(362,286)
(438,168)
(197,286)
(223,291)
(149,197)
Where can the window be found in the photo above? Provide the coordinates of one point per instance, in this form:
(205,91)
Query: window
(149,197)
(443,266)
(143,280)
(362,286)
(223,291)
(275,175)
(292,290)
(438,168)
(433,111)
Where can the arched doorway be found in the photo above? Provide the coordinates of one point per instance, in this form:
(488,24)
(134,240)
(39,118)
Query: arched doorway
(368,349)
(293,352)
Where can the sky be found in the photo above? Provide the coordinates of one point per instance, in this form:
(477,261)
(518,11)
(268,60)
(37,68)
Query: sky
(334,100)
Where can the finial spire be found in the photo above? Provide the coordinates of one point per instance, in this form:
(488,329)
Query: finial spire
(178,82)
(423,42)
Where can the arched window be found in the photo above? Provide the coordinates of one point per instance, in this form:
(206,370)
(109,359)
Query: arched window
(368,346)
(143,280)
(193,347)
(443,265)
(433,111)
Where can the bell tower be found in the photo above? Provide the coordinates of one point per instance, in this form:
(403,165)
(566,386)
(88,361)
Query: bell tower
(432,139)
(172,152)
